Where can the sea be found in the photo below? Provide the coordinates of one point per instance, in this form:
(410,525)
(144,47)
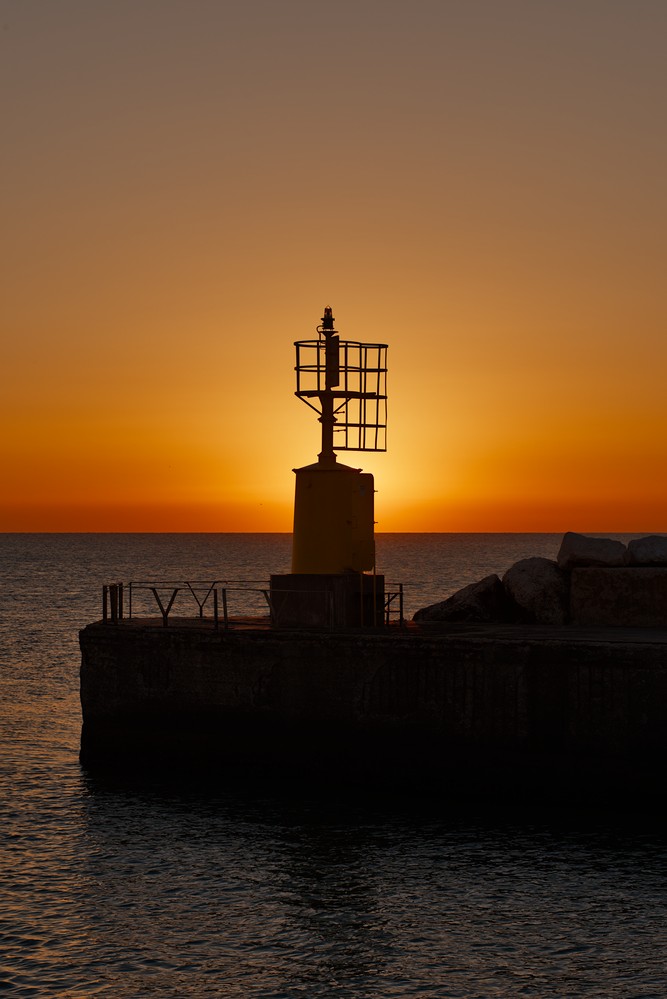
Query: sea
(155,884)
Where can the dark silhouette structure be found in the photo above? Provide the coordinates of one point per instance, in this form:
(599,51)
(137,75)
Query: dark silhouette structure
(333,547)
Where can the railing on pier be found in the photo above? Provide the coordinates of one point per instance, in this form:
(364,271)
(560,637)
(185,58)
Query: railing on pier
(127,601)
(393,605)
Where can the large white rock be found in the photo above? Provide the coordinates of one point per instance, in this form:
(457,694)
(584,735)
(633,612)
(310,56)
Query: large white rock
(485,600)
(582,550)
(651,550)
(540,589)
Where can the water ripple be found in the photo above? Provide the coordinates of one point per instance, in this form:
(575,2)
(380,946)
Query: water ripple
(156,886)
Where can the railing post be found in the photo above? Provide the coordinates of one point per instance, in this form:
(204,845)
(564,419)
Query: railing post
(216,623)
(120,601)
(105,603)
(269,603)
(331,607)
(164,610)
(400,604)
(113,596)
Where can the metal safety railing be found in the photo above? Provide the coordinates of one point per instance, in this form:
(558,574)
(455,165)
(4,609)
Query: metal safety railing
(253,602)
(126,601)
(393,605)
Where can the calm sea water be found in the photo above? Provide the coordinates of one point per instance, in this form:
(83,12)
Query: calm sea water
(160,886)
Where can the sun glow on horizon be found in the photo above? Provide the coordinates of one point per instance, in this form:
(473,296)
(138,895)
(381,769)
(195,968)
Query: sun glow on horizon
(480,188)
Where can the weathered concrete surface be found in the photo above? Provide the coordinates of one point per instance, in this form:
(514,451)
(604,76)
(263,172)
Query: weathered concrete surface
(629,597)
(327,600)
(549,708)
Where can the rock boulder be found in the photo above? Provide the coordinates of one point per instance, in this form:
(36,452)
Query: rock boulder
(582,550)
(651,550)
(485,600)
(539,589)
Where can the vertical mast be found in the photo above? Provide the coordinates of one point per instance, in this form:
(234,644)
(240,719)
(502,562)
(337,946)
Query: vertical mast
(327,455)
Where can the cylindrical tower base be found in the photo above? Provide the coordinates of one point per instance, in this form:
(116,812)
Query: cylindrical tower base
(333,520)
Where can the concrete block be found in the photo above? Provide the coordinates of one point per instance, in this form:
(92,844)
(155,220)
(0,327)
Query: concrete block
(327,600)
(630,596)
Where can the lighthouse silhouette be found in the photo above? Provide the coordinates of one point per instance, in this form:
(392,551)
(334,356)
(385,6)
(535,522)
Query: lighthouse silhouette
(333,582)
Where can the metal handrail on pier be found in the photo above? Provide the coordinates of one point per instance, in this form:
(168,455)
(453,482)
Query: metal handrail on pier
(393,604)
(119,601)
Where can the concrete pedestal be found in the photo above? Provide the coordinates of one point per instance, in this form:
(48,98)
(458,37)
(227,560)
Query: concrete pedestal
(327,600)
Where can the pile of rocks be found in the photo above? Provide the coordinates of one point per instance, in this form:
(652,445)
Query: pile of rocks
(542,591)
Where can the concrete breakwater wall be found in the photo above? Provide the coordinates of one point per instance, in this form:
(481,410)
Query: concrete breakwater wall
(482,705)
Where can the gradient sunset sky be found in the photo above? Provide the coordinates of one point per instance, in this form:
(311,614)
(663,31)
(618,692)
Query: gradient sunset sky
(479,183)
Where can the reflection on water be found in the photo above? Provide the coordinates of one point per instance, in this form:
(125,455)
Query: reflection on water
(174,891)
(281,895)
(158,886)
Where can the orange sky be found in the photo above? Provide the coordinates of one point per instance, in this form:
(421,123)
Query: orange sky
(186,185)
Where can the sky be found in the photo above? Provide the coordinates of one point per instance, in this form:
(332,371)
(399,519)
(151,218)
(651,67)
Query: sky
(478,183)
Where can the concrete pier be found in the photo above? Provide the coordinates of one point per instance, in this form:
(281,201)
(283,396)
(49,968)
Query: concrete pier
(539,710)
